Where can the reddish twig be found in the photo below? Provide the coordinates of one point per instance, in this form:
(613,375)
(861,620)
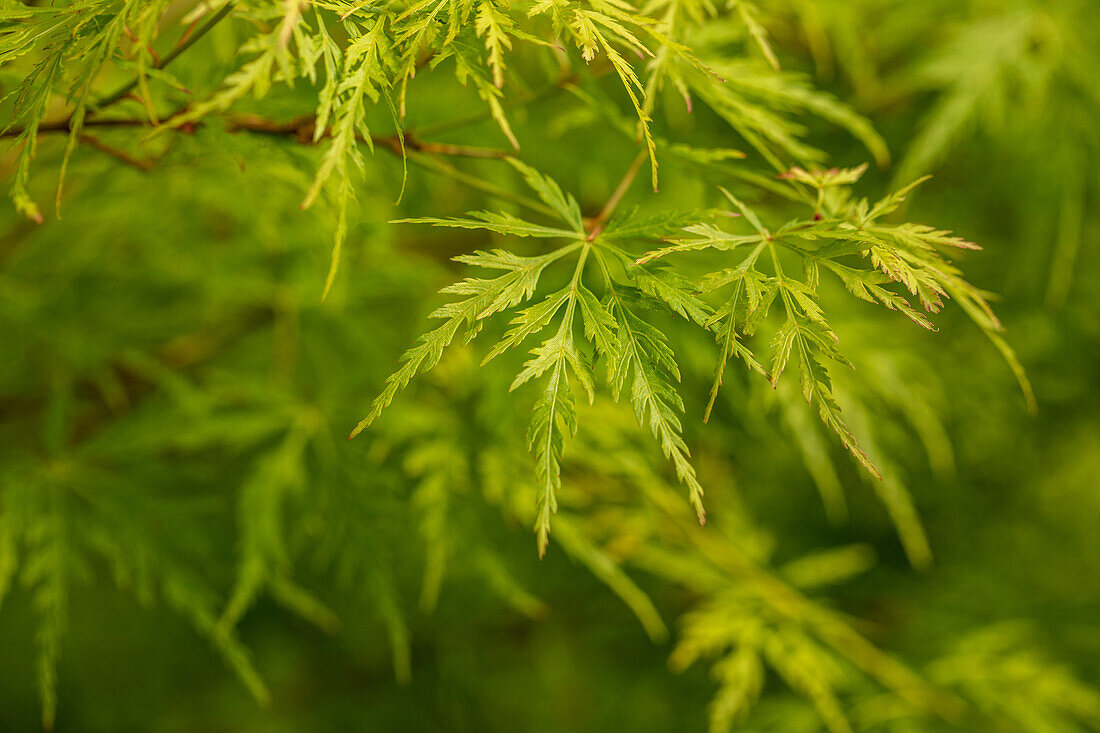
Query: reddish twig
(139,163)
(595,225)
(302,129)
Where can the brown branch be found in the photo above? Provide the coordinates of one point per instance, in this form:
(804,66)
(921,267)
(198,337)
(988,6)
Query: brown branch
(300,129)
(63,126)
(426,154)
(461,151)
(139,163)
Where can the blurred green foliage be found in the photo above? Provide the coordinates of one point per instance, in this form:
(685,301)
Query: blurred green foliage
(187,541)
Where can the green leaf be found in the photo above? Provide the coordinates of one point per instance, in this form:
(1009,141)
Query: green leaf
(551,194)
(500,223)
(529,321)
(739,309)
(647,360)
(554,415)
(483,299)
(600,328)
(635,225)
(672,290)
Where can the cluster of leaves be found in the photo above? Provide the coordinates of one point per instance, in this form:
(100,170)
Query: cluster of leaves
(999,75)
(587,292)
(381,49)
(760,620)
(634,351)
(846,238)
(360,55)
(73,43)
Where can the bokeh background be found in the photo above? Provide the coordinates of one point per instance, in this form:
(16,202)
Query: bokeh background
(165,368)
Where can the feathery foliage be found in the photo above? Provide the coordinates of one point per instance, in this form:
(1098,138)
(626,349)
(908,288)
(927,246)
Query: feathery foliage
(174,398)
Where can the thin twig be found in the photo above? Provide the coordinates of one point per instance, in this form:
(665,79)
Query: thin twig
(596,224)
(299,128)
(139,163)
(462,151)
(302,129)
(63,126)
(425,154)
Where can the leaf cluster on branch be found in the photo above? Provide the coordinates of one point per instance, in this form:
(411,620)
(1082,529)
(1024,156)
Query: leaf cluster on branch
(607,293)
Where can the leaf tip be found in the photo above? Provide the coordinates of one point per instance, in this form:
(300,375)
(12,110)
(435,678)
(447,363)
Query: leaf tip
(359,428)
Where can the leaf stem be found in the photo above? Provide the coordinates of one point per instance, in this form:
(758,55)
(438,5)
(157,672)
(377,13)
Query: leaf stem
(597,224)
